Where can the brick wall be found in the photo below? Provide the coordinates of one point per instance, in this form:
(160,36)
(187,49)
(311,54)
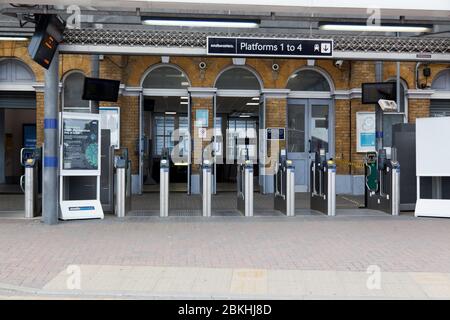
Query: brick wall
(198,103)
(129,128)
(418,108)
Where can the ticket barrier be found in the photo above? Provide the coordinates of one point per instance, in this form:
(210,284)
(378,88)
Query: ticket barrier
(323,184)
(382,183)
(206,188)
(122,184)
(164,188)
(245,188)
(30,159)
(284,182)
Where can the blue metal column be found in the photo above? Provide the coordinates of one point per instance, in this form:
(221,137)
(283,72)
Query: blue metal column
(50,164)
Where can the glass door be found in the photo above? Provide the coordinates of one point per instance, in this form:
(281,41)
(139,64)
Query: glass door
(308,122)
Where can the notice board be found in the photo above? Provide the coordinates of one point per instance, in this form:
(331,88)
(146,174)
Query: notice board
(80,144)
(432,151)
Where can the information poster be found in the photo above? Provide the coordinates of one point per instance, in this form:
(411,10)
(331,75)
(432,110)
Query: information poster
(201,118)
(80,144)
(365,131)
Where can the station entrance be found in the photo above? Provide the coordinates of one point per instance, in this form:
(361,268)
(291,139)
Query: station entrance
(17,132)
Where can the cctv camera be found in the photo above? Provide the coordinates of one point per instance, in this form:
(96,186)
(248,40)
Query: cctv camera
(275,67)
(338,63)
(202,65)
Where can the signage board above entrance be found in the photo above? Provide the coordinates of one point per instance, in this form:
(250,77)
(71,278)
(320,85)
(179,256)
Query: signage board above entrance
(269,47)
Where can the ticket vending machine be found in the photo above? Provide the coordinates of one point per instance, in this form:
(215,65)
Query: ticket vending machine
(323,184)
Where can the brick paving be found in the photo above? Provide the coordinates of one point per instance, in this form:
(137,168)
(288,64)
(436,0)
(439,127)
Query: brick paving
(31,253)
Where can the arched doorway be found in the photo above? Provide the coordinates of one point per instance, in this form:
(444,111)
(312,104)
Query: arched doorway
(17,122)
(238,114)
(440,102)
(310,120)
(165,120)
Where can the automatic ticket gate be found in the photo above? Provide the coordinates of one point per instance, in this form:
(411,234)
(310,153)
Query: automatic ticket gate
(323,184)
(382,183)
(164,188)
(245,188)
(284,185)
(122,184)
(206,185)
(30,159)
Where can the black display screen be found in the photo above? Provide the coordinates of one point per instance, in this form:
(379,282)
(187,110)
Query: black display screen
(100,89)
(372,92)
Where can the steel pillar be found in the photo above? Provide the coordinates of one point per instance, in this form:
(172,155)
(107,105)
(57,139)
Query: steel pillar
(50,161)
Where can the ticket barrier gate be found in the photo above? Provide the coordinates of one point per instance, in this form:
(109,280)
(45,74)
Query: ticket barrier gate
(323,184)
(30,158)
(284,181)
(382,183)
(206,188)
(245,188)
(122,203)
(164,188)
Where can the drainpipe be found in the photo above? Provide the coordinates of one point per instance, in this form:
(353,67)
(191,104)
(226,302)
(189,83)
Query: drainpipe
(378,111)
(95,72)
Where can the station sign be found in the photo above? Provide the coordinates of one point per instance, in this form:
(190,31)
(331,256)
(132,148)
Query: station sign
(269,47)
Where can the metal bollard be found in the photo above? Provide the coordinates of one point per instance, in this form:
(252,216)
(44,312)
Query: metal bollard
(206,185)
(164,188)
(120,203)
(331,188)
(395,189)
(290,189)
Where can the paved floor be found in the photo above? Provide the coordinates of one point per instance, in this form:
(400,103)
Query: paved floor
(300,257)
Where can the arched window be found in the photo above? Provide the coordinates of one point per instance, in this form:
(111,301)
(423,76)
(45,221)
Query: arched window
(442,81)
(308,80)
(13,70)
(165,77)
(72,92)
(441,107)
(239,79)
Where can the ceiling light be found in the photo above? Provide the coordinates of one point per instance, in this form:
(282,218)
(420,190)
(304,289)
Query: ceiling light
(170,112)
(196,22)
(255,98)
(374,28)
(244,116)
(184,98)
(184,102)
(253,103)
(13,39)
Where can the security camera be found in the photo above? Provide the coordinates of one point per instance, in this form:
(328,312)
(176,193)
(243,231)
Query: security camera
(338,63)
(275,67)
(202,65)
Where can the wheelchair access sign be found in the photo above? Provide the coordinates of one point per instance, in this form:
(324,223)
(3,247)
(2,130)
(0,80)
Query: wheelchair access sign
(270,47)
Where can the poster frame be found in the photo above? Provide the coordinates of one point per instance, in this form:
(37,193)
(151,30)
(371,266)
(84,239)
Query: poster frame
(79,172)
